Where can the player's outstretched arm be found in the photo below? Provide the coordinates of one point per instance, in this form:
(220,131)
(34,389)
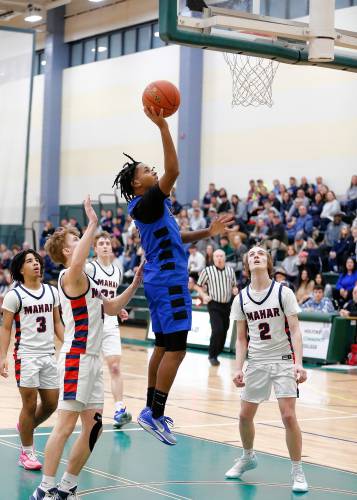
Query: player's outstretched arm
(241,352)
(5,335)
(75,275)
(113,307)
(218,226)
(296,339)
(171,165)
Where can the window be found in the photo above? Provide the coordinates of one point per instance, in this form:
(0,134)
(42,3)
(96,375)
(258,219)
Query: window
(89,51)
(298,9)
(76,53)
(102,48)
(129,41)
(116,45)
(144,38)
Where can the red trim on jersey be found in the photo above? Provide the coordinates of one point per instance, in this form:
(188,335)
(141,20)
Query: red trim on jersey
(70,382)
(17,370)
(17,334)
(80,325)
(288,333)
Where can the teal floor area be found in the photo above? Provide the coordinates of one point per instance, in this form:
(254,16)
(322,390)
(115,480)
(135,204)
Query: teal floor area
(130,464)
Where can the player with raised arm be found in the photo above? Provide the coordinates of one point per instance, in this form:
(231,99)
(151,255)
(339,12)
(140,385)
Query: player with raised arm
(81,374)
(165,272)
(108,277)
(34,307)
(267,312)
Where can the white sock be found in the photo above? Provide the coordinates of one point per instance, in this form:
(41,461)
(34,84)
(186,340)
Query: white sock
(47,482)
(119,405)
(296,465)
(27,449)
(248,453)
(68,481)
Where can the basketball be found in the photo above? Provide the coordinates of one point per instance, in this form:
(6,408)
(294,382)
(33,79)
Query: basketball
(162,94)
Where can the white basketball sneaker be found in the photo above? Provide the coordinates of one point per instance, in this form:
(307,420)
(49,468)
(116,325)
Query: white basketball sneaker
(242,464)
(299,481)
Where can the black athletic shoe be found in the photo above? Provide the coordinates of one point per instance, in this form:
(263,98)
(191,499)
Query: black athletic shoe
(214,361)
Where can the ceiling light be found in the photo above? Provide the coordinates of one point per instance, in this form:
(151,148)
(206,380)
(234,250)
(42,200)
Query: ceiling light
(33,14)
(96,1)
(43,63)
(156,34)
(102,49)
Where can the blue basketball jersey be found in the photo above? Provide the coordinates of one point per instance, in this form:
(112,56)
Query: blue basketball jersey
(166,257)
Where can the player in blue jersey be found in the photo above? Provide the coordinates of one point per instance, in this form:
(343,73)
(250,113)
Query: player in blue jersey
(165,272)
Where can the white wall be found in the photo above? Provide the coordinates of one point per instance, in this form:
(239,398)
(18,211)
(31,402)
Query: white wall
(310,130)
(103,116)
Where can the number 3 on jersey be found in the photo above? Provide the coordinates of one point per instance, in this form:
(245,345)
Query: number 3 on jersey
(264,330)
(41,320)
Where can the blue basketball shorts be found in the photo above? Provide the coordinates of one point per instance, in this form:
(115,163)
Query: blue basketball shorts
(170,308)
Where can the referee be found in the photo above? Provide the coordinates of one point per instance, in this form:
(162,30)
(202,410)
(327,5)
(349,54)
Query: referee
(221,285)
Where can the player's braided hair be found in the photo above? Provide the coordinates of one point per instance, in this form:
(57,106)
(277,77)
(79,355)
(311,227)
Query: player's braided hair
(125,178)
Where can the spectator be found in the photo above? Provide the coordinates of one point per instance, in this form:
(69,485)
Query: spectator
(286,205)
(281,277)
(304,184)
(315,209)
(292,189)
(259,232)
(342,249)
(323,190)
(350,307)
(252,192)
(346,282)
(283,190)
(209,255)
(333,230)
(239,249)
(107,222)
(48,229)
(276,237)
(197,221)
(319,280)
(305,287)
(206,201)
(196,261)
(276,187)
(214,203)
(194,205)
(302,223)
(264,195)
(239,208)
(318,303)
(5,280)
(74,223)
(64,222)
(290,264)
(226,247)
(225,204)
(313,256)
(261,187)
(299,242)
(350,202)
(330,208)
(310,193)
(274,202)
(176,206)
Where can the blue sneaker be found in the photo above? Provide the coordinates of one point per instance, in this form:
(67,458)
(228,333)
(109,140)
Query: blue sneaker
(157,427)
(121,417)
(40,494)
(67,495)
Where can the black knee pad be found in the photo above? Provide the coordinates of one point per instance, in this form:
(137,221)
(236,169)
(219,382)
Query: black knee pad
(93,437)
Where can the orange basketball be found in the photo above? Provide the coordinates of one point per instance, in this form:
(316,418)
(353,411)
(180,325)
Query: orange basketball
(162,94)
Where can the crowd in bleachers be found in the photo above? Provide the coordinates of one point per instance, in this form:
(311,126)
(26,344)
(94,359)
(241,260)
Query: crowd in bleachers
(307,229)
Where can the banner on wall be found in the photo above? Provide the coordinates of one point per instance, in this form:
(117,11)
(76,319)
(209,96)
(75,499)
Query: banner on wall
(315,338)
(200,334)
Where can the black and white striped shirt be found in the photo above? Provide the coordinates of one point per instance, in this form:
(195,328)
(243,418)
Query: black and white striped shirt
(219,283)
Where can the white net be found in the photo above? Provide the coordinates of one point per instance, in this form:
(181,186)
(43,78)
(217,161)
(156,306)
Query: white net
(252,79)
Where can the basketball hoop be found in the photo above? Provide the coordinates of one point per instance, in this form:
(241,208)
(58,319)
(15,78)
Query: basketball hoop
(252,79)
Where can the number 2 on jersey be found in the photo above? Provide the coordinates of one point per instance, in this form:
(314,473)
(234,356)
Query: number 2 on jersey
(264,330)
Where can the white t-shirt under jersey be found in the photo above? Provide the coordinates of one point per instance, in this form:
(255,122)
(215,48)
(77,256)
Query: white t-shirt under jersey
(33,315)
(269,335)
(108,278)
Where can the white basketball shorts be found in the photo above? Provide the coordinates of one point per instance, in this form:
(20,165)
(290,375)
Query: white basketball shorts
(81,382)
(259,379)
(111,345)
(38,372)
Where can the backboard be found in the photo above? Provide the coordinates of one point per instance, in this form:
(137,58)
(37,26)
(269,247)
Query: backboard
(315,32)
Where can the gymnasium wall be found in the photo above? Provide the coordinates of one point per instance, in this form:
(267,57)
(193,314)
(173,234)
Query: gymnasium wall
(310,130)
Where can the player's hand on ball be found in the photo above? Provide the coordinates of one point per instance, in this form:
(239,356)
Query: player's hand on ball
(221,224)
(4,369)
(92,216)
(238,379)
(123,315)
(300,374)
(158,119)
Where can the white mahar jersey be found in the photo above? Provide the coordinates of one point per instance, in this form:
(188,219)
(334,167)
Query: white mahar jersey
(265,313)
(83,319)
(33,315)
(108,278)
